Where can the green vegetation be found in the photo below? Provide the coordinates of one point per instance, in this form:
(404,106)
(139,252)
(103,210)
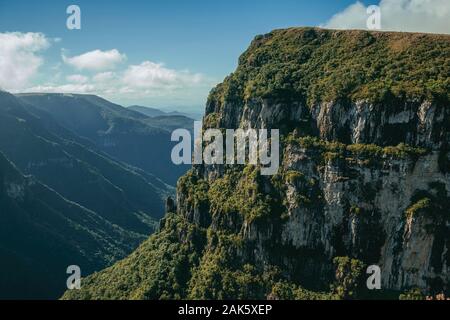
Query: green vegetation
(211,120)
(315,143)
(308,194)
(401,151)
(332,150)
(159,269)
(420,206)
(413,294)
(194,188)
(433,203)
(314,65)
(355,210)
(185,261)
(235,192)
(293,176)
(349,274)
(287,291)
(218,276)
(307,191)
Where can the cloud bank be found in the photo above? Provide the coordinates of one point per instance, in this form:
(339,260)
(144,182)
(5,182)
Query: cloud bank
(95,60)
(77,78)
(147,79)
(150,75)
(19,58)
(431,16)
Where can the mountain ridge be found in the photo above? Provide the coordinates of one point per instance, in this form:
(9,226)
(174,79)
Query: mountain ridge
(123,134)
(155,112)
(60,232)
(72,204)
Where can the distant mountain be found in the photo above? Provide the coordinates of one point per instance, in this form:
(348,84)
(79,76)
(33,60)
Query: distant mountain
(171,122)
(126,135)
(148,111)
(153,112)
(122,194)
(80,206)
(41,233)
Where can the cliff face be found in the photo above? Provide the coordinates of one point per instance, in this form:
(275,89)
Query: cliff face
(359,189)
(364,174)
(358,198)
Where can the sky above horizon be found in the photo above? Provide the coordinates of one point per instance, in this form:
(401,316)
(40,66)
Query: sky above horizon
(167,54)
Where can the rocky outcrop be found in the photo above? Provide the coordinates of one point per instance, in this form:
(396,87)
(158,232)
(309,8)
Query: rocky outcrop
(416,123)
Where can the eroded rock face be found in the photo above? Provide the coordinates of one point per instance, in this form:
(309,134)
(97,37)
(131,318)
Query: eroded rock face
(357,206)
(377,232)
(414,123)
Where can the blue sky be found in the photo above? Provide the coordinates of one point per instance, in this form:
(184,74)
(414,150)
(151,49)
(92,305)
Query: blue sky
(194,43)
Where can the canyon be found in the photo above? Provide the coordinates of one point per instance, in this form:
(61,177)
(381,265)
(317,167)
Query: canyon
(364,178)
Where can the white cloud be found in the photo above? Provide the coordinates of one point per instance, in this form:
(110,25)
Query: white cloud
(353,17)
(144,80)
(19,59)
(398,15)
(63,88)
(150,75)
(96,60)
(104,77)
(77,78)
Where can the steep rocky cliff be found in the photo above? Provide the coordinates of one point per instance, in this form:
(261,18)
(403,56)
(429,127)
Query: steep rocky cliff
(364,178)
